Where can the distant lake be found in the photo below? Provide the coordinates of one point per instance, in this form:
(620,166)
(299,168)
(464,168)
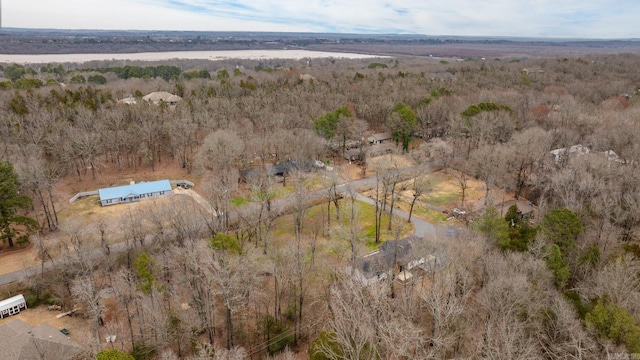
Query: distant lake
(205,55)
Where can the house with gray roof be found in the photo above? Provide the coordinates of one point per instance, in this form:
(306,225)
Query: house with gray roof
(162,97)
(445,75)
(380,138)
(399,258)
(381,149)
(134,192)
(19,341)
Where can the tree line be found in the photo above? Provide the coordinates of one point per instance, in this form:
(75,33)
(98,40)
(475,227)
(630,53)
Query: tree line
(561,286)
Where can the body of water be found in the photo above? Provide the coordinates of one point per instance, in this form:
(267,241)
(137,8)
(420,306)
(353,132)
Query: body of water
(158,56)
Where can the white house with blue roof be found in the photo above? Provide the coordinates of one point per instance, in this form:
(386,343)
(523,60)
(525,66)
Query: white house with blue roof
(134,192)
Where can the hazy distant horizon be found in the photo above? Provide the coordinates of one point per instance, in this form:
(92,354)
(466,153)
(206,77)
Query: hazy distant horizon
(214,55)
(317,34)
(572,19)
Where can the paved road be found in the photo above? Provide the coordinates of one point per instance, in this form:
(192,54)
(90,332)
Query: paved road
(280,206)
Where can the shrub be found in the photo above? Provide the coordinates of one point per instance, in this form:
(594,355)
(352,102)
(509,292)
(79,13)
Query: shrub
(113,354)
(614,322)
(142,351)
(97,79)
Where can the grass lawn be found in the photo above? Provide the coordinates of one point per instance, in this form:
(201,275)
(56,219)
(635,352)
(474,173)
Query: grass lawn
(316,220)
(278,190)
(82,209)
(442,199)
(238,201)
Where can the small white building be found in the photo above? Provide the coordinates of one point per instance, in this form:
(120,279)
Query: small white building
(12,306)
(128,101)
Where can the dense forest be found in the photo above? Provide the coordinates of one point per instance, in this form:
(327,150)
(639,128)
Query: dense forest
(250,282)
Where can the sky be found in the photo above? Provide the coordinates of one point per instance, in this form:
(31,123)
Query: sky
(588,19)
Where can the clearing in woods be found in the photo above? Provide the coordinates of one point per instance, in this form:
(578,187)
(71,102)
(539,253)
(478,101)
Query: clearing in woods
(87,209)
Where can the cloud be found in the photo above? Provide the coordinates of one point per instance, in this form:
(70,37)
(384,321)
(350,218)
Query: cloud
(550,18)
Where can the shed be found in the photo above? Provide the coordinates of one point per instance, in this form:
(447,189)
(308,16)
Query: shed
(12,306)
(134,192)
(380,138)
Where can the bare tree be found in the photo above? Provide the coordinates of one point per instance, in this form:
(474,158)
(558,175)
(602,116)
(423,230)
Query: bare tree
(196,266)
(355,310)
(39,177)
(350,228)
(85,290)
(487,164)
(220,150)
(419,187)
(463,182)
(218,190)
(232,283)
(332,196)
(446,307)
(525,150)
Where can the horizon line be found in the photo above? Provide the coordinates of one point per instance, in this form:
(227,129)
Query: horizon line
(373,34)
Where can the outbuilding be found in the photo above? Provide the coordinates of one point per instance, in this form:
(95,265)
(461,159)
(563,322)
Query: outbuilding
(134,192)
(380,138)
(12,306)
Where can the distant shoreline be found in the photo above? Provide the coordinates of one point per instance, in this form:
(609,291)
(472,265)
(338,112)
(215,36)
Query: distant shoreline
(215,55)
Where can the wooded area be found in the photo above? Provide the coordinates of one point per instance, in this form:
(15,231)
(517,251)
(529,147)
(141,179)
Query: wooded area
(561,134)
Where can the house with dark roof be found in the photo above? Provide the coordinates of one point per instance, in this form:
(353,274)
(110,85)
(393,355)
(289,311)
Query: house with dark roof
(398,257)
(525,209)
(352,154)
(276,171)
(19,341)
(134,192)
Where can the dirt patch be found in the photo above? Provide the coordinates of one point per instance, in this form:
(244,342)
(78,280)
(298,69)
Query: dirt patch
(446,191)
(108,174)
(391,160)
(349,172)
(353,170)
(17,259)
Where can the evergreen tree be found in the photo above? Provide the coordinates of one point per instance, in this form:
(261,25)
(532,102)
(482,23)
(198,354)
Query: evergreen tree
(12,224)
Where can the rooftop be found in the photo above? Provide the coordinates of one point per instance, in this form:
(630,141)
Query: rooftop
(21,342)
(165,96)
(134,189)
